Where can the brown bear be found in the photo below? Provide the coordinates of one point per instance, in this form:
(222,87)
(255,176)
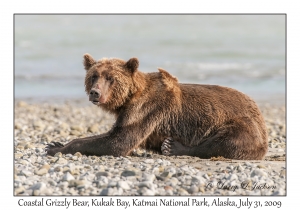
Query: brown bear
(155,111)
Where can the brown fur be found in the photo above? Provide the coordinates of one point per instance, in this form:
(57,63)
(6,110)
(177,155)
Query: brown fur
(154,110)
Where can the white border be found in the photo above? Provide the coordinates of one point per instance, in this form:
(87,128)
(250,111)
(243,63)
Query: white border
(8,8)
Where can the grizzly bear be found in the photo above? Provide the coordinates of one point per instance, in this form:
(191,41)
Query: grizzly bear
(156,112)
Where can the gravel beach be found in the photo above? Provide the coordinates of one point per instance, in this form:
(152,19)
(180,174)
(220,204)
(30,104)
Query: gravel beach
(144,173)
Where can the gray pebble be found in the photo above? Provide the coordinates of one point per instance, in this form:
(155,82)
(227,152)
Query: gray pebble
(127,173)
(67,177)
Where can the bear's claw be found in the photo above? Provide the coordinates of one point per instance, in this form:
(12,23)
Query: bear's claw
(171,147)
(53,145)
(166,146)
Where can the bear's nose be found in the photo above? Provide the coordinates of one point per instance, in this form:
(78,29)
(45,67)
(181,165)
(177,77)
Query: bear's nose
(94,93)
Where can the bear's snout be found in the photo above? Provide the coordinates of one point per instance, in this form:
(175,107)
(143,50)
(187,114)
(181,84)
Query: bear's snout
(94,96)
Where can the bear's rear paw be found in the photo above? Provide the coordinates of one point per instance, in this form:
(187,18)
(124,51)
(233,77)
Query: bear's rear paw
(171,147)
(53,148)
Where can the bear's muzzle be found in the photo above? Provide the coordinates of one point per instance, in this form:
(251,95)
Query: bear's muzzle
(94,96)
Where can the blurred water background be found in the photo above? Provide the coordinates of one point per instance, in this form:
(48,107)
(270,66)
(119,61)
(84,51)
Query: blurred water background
(246,52)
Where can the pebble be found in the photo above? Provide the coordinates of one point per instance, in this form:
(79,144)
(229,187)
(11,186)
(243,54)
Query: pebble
(94,128)
(258,172)
(27,173)
(41,172)
(67,177)
(127,173)
(124,185)
(144,173)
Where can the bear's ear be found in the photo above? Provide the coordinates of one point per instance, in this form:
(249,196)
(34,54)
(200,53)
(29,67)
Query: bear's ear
(88,61)
(132,64)
(169,81)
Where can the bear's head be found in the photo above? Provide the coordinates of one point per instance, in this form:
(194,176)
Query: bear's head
(110,82)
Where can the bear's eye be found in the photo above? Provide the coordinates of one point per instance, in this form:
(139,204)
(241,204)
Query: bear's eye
(94,78)
(110,79)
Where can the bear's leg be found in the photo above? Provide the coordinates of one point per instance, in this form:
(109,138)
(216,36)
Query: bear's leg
(237,139)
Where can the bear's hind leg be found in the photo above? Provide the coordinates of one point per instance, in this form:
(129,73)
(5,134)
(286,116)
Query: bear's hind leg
(240,138)
(237,139)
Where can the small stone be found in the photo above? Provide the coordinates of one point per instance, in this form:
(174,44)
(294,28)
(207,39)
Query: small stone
(38,186)
(94,128)
(58,169)
(283,172)
(75,133)
(112,184)
(64,126)
(182,191)
(103,173)
(258,172)
(63,133)
(66,169)
(18,126)
(67,177)
(46,138)
(193,189)
(77,183)
(78,154)
(102,181)
(59,154)
(45,166)
(233,177)
(39,150)
(62,161)
(201,189)
(148,177)
(206,176)
(127,173)
(38,126)
(36,192)
(75,158)
(41,172)
(68,155)
(279,192)
(161,168)
(173,182)
(53,159)
(261,166)
(147,184)
(240,167)
(26,173)
(28,146)
(149,161)
(107,191)
(19,190)
(124,185)
(164,176)
(52,182)
(145,191)
(77,128)
(63,185)
(18,155)
(168,188)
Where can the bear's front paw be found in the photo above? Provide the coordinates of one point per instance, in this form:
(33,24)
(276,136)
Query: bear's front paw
(53,148)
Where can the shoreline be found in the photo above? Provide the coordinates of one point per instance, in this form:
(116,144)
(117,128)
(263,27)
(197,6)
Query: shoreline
(143,173)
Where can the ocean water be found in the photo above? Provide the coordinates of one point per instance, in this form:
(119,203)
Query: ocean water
(245,52)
